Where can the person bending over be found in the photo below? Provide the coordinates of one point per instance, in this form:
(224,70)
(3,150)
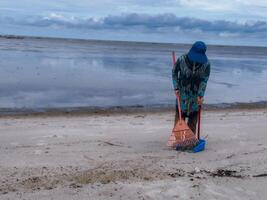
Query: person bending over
(190,76)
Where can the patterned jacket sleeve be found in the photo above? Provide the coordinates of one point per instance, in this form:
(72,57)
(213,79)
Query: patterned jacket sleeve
(204,81)
(176,75)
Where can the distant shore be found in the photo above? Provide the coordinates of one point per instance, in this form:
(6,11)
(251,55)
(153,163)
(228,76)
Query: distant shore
(20,37)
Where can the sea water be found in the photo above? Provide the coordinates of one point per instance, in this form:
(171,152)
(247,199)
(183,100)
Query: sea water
(65,73)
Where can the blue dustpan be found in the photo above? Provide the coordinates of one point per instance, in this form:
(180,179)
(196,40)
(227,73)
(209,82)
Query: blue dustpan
(200,146)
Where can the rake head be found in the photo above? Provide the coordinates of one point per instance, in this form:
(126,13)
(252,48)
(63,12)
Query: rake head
(182,136)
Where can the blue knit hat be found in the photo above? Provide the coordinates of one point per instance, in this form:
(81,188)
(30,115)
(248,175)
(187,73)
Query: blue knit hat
(197,52)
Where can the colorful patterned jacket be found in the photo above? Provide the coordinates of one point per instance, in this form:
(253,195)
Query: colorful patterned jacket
(191,81)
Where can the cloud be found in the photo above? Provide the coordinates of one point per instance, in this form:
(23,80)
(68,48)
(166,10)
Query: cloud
(208,5)
(146,22)
(258,3)
(139,27)
(206,9)
(172,21)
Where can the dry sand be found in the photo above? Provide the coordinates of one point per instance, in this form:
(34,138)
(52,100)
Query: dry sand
(124,156)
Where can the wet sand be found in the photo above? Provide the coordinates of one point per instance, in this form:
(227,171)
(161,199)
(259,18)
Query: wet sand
(124,156)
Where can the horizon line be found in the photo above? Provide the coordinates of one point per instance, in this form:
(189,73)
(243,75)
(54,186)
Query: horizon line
(11,36)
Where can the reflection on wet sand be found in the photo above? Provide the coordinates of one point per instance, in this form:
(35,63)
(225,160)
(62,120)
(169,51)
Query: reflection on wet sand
(55,73)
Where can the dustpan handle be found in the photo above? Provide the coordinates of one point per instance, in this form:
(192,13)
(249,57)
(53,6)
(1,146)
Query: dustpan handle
(198,123)
(177,96)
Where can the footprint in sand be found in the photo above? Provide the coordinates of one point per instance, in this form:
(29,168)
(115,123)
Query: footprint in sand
(14,143)
(41,143)
(37,152)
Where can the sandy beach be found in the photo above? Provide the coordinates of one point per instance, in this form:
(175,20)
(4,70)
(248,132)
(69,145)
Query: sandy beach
(124,156)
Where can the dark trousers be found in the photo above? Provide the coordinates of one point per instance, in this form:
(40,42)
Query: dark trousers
(192,119)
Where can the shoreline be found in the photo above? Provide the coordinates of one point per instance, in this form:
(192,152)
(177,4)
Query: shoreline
(23,112)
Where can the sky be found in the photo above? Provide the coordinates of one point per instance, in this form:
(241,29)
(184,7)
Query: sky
(226,22)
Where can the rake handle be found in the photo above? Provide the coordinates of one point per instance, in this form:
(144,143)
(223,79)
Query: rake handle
(173,58)
(177,96)
(179,106)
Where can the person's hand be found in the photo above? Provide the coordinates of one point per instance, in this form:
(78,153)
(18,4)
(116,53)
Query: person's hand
(177,93)
(200,101)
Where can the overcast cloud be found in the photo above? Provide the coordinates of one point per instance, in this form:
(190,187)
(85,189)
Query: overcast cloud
(227,21)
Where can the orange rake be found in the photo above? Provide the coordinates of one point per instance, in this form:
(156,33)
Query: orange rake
(182,136)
